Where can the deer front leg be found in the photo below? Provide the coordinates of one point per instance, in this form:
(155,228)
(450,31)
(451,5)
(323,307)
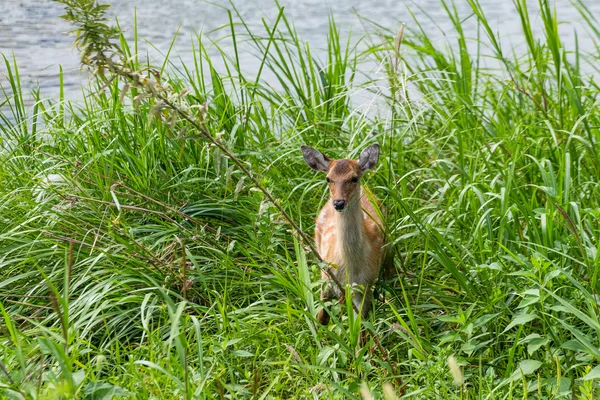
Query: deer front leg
(328,291)
(326,294)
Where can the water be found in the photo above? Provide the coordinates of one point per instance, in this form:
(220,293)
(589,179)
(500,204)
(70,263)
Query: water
(33,31)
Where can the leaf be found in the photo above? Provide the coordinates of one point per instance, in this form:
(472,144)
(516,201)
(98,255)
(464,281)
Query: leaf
(242,353)
(520,320)
(593,374)
(324,354)
(230,342)
(527,301)
(526,367)
(530,296)
(450,337)
(103,391)
(468,348)
(484,319)
(450,318)
(156,367)
(11,394)
(239,187)
(560,386)
(590,320)
(528,338)
(583,339)
(573,345)
(78,377)
(536,344)
(551,275)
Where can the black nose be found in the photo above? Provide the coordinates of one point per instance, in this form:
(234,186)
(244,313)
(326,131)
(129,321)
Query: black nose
(339,204)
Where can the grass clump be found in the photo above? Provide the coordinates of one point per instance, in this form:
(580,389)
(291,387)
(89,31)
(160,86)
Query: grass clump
(152,237)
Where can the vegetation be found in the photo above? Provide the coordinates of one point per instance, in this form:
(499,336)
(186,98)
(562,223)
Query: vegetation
(153,237)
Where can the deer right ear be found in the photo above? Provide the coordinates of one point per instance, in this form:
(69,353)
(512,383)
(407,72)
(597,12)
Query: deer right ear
(315,159)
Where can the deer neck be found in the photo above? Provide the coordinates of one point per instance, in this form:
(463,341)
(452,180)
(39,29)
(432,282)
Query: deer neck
(351,236)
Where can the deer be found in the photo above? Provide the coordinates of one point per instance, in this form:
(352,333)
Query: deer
(349,233)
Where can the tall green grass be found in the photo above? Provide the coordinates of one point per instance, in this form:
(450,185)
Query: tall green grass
(137,260)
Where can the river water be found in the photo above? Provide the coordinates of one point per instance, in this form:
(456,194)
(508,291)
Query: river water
(34,33)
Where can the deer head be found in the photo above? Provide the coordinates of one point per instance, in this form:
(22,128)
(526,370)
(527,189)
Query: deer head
(343,176)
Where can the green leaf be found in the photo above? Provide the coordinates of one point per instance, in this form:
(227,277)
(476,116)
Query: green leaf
(530,296)
(535,344)
(242,353)
(484,319)
(78,377)
(526,367)
(573,345)
(583,339)
(324,354)
(527,301)
(593,374)
(103,391)
(455,319)
(12,395)
(520,320)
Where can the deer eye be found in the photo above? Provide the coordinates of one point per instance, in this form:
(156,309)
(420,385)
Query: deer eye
(354,179)
(328,180)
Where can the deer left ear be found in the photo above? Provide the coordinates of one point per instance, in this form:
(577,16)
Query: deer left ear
(368,157)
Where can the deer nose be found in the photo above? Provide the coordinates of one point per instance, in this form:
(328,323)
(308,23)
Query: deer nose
(339,204)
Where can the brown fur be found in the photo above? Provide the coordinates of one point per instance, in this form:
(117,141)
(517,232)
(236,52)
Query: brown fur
(350,241)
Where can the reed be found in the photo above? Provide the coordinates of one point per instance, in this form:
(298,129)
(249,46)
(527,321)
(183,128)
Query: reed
(147,254)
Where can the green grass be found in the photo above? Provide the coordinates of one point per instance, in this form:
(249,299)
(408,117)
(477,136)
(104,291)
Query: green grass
(139,261)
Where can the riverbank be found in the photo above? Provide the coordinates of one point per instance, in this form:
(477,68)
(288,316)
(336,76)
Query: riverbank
(138,258)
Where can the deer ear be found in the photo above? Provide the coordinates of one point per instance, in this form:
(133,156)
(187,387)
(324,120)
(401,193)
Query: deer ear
(368,157)
(315,159)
